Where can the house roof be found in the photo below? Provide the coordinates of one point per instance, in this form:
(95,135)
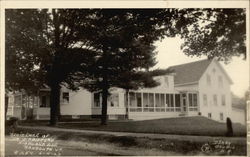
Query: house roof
(189,72)
(239,106)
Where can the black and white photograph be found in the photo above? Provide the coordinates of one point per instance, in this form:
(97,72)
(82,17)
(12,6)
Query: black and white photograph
(125,81)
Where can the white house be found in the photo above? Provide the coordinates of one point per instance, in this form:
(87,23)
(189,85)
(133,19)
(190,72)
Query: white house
(197,88)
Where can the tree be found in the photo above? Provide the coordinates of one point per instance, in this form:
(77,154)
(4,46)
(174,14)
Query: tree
(219,33)
(124,39)
(42,47)
(103,48)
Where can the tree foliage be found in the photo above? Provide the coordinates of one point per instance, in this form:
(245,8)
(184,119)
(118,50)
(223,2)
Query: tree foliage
(102,48)
(217,33)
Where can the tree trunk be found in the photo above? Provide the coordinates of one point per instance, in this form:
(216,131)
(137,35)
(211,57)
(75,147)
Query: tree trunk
(127,103)
(54,104)
(104,117)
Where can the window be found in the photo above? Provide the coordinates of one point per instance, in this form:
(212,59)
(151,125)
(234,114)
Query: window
(159,102)
(220,80)
(18,100)
(138,99)
(65,97)
(167,100)
(223,100)
(145,100)
(221,116)
(166,81)
(132,101)
(195,103)
(215,99)
(135,102)
(209,115)
(114,100)
(148,102)
(214,70)
(97,100)
(192,98)
(177,100)
(162,101)
(44,101)
(170,102)
(151,99)
(208,80)
(205,99)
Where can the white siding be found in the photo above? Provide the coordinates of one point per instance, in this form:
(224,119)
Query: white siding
(214,71)
(120,110)
(238,116)
(189,88)
(163,87)
(79,103)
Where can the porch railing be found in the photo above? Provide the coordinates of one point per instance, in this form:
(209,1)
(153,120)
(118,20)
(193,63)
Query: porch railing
(154,109)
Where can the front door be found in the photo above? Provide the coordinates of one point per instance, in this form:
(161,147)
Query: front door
(184,103)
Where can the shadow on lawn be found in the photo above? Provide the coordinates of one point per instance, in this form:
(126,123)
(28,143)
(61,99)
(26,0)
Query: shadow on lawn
(199,126)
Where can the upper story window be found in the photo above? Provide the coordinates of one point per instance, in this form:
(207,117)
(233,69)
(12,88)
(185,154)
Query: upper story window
(205,99)
(166,80)
(223,100)
(65,97)
(208,80)
(214,70)
(220,80)
(215,99)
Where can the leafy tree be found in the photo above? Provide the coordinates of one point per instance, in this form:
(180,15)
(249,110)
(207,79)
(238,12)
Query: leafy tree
(219,33)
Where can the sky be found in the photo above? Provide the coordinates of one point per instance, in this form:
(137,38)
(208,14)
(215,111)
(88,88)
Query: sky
(169,53)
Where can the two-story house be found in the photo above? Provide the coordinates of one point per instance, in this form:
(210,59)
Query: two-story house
(197,88)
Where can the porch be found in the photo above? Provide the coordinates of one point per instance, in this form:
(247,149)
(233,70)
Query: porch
(162,105)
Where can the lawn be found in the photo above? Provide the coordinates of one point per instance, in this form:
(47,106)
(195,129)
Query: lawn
(180,126)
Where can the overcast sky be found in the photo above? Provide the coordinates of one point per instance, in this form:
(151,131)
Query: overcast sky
(169,53)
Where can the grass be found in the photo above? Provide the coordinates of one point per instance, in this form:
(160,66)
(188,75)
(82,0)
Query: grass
(200,126)
(130,145)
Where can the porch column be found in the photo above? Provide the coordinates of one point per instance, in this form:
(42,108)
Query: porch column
(142,105)
(154,101)
(128,102)
(187,100)
(174,101)
(38,104)
(165,105)
(198,102)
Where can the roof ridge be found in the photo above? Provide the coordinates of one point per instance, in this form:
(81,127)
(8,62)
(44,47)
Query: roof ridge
(190,72)
(190,63)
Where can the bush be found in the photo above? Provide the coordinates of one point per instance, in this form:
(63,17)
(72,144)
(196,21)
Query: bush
(229,128)
(11,124)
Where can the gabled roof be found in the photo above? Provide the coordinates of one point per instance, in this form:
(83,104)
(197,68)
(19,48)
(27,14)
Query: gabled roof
(190,72)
